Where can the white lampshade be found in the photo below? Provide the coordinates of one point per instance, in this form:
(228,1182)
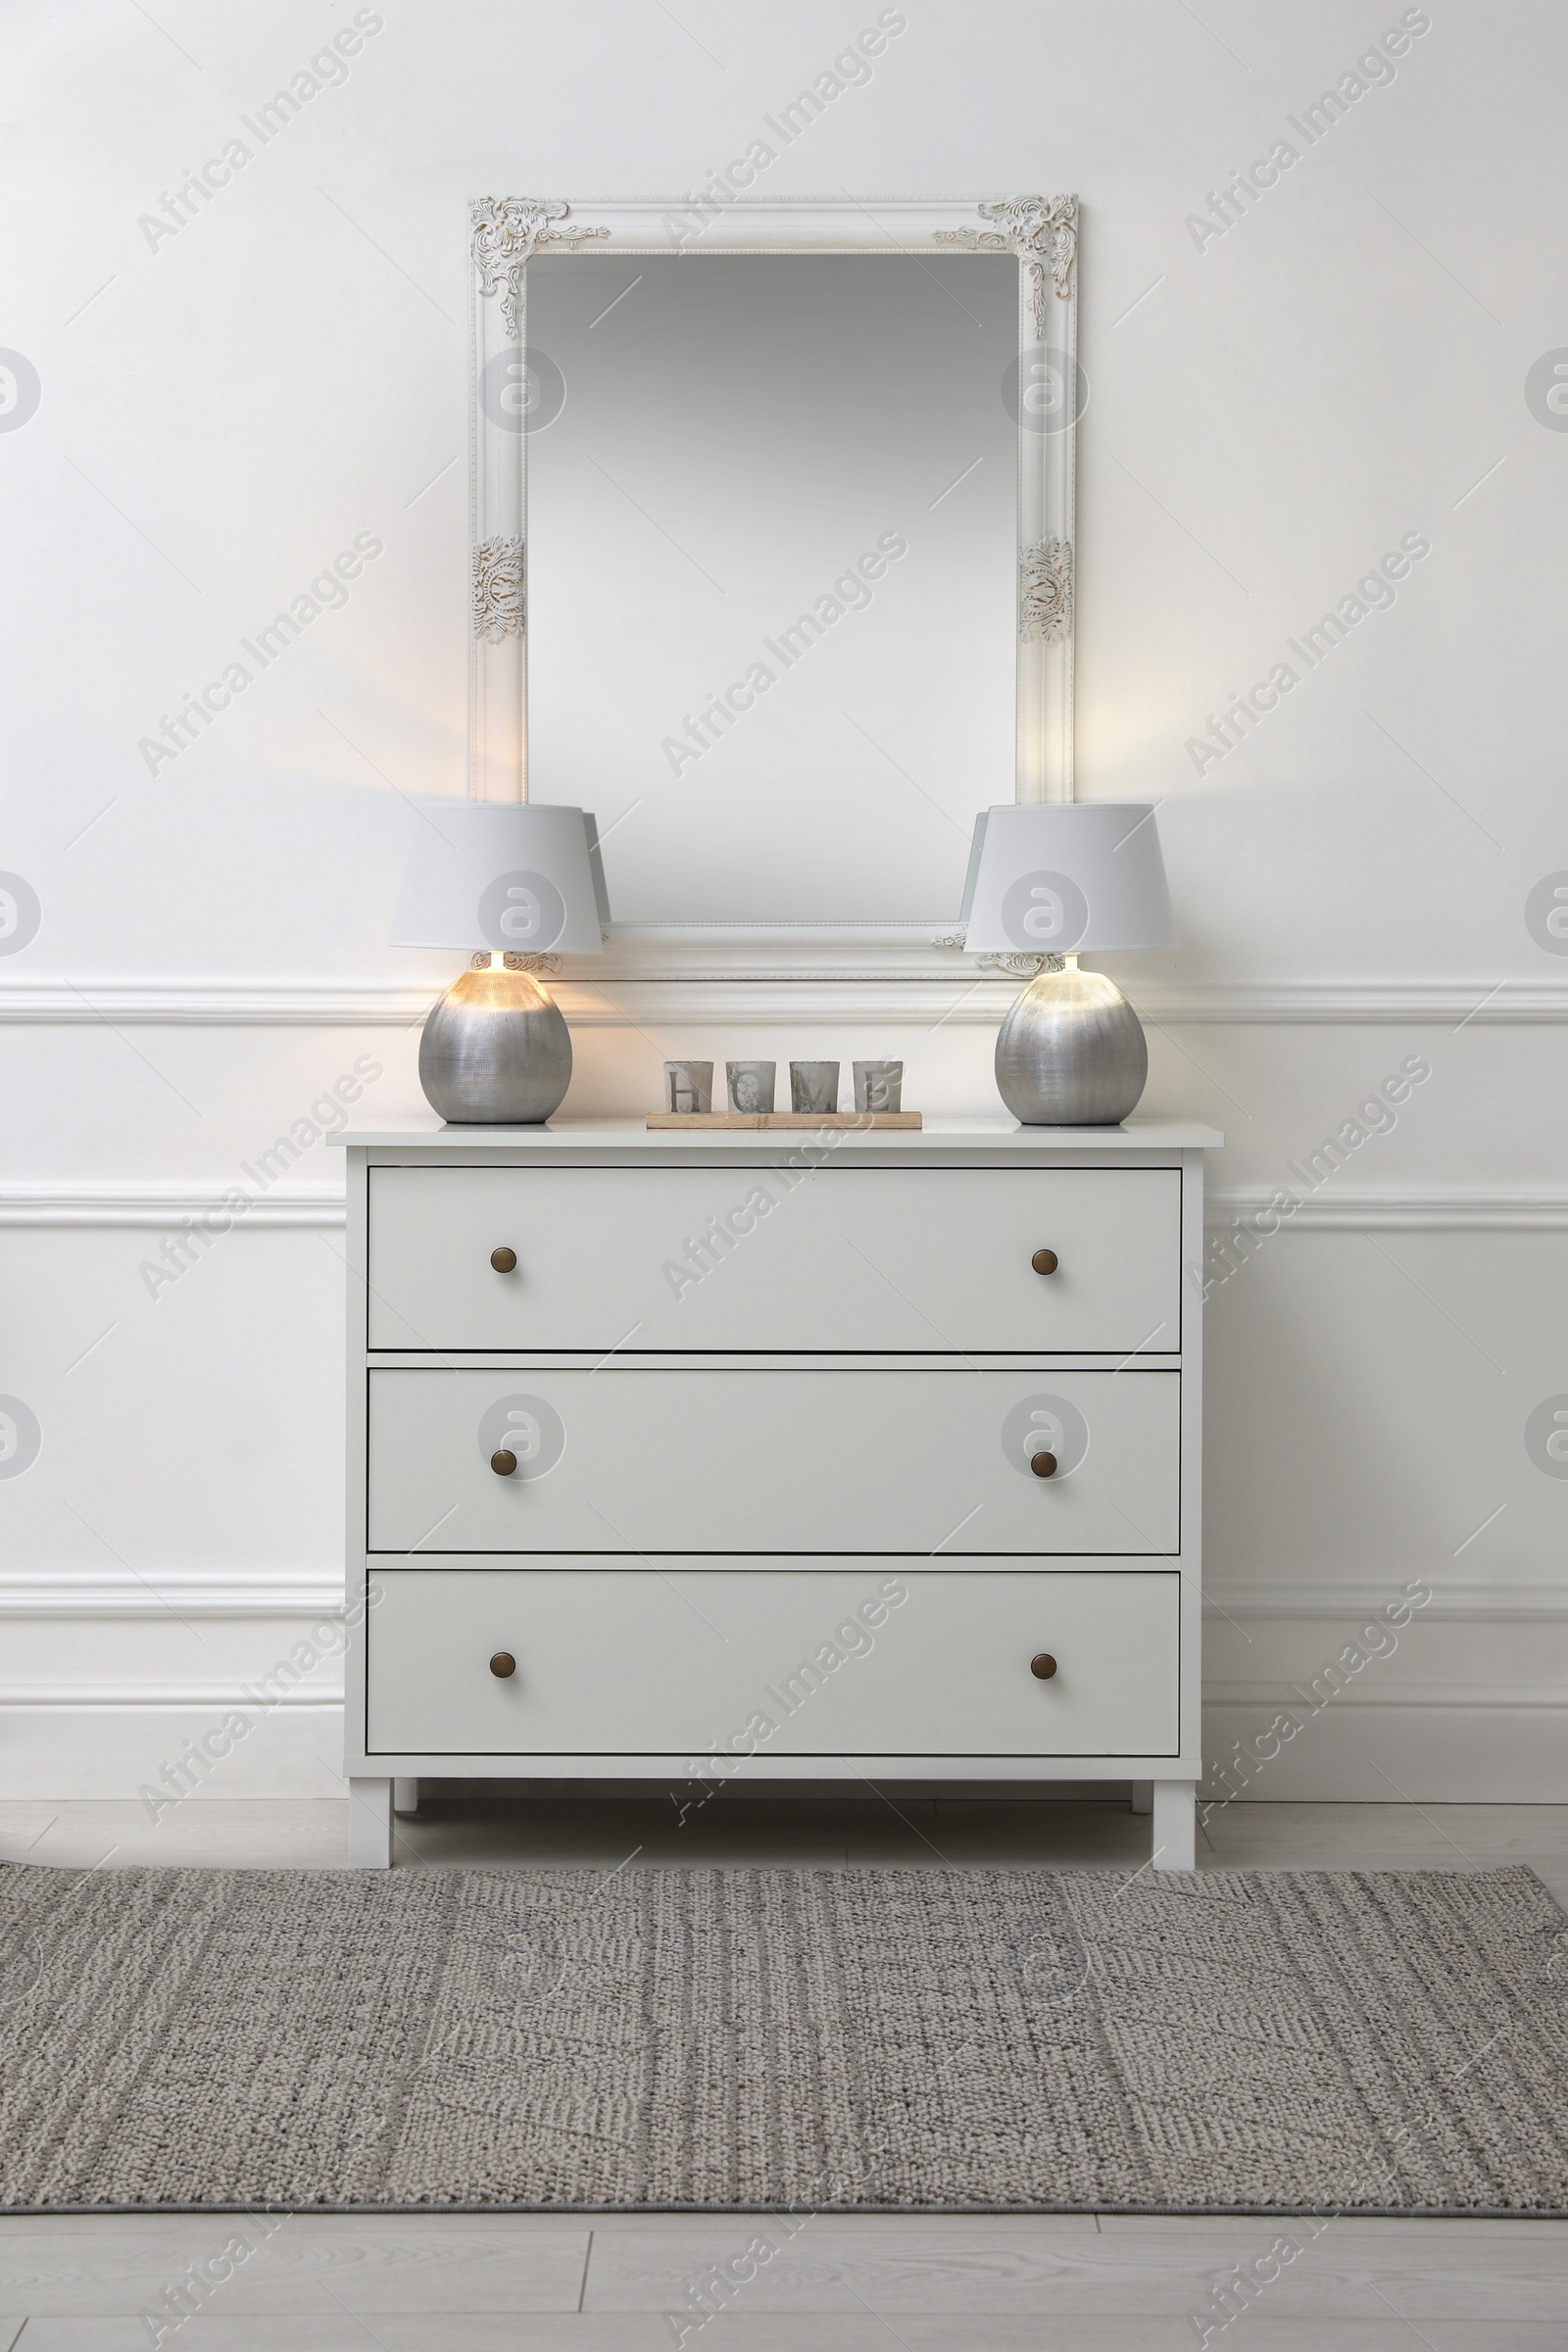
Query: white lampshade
(503,874)
(1052,877)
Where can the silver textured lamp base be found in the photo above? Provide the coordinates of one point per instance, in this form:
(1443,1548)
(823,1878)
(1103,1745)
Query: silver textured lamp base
(495,1051)
(1072,1052)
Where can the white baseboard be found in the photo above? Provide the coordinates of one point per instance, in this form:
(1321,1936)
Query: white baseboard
(78,1743)
(1434,1745)
(1418,1746)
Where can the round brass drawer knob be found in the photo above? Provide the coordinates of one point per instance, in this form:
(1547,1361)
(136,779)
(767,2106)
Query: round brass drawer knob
(503,1463)
(1045,1261)
(505,1261)
(504,1664)
(1044,1465)
(1043,1667)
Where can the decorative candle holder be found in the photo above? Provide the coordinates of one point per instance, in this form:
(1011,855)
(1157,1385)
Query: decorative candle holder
(689,1086)
(813,1086)
(879,1086)
(751,1084)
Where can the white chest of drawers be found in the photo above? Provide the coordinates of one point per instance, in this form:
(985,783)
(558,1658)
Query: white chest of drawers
(832,1456)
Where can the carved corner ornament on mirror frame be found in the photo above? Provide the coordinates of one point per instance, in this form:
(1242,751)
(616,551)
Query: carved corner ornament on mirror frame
(1042,233)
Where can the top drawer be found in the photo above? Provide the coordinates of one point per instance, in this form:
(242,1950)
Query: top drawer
(737,1258)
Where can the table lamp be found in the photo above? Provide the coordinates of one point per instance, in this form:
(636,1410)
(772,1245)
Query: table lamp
(1053,878)
(509,882)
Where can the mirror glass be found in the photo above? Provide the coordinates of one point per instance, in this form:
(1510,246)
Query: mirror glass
(771,535)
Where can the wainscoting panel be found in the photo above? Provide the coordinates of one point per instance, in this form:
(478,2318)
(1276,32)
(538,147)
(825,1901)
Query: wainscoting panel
(1374,1357)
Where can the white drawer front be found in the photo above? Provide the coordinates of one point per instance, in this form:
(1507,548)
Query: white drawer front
(865,1258)
(830,1461)
(882,1661)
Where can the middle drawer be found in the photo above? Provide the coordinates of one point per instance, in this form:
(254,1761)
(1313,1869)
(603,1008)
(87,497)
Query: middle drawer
(768,1461)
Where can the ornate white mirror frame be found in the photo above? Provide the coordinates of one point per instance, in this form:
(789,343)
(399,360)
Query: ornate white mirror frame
(1042,232)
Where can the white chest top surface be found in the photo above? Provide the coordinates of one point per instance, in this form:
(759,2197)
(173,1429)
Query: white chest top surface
(956,1133)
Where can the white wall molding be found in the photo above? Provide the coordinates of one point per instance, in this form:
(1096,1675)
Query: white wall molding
(695,976)
(176,1697)
(1423,1209)
(1313,1003)
(1347,1597)
(163,1205)
(596,999)
(285,1592)
(181,1004)
(1363,1693)
(113,1593)
(1368,1691)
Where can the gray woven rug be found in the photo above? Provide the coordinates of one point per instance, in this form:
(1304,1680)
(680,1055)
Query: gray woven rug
(1308,2042)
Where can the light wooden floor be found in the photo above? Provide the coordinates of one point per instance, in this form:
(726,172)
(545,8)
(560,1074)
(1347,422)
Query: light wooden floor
(824,2284)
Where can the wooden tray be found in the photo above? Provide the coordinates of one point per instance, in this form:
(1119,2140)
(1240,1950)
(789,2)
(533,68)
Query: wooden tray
(753,1119)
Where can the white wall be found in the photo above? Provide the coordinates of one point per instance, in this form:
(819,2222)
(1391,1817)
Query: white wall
(225,407)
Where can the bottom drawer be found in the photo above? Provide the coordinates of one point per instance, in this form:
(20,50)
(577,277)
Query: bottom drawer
(873,1661)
